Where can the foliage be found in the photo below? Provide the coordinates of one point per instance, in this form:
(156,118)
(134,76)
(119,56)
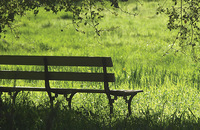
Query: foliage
(83,10)
(184,16)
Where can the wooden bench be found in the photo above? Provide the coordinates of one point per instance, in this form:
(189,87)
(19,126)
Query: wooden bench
(47,75)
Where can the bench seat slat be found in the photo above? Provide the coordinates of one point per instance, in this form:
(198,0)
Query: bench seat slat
(67,91)
(10,89)
(55,60)
(70,76)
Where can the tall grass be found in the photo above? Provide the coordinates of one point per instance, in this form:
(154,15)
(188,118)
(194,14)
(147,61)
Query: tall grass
(171,83)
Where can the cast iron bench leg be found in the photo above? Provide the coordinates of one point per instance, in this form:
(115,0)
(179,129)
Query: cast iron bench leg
(69,99)
(111,106)
(13,95)
(111,101)
(1,102)
(129,103)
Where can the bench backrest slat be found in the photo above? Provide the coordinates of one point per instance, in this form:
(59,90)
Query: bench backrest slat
(55,60)
(70,76)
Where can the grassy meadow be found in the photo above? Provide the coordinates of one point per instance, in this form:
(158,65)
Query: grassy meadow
(171,85)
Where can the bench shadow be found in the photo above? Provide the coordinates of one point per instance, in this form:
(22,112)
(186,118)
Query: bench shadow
(23,116)
(26,115)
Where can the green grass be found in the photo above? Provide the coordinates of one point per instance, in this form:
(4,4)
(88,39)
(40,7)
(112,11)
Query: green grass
(171,98)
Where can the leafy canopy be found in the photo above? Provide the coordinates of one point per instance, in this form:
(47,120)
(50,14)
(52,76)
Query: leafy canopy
(82,10)
(184,16)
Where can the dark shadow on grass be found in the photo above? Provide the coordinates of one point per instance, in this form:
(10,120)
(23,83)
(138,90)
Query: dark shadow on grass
(27,115)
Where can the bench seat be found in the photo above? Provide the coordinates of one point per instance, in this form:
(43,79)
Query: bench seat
(68,91)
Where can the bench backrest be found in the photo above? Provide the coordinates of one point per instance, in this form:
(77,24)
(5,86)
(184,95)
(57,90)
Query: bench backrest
(57,61)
